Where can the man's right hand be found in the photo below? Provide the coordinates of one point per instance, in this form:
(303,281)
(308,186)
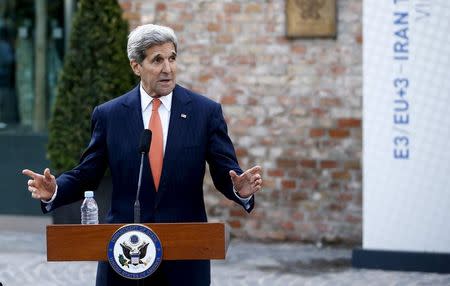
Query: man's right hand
(42,187)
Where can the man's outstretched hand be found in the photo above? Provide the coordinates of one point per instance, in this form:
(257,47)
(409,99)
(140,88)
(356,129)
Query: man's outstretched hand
(248,182)
(42,187)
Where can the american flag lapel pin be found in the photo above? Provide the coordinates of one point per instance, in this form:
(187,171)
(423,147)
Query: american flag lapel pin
(183,115)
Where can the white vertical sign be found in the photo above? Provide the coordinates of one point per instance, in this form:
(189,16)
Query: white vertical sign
(406,124)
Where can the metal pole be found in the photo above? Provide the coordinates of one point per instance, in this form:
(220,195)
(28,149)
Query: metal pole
(68,14)
(40,103)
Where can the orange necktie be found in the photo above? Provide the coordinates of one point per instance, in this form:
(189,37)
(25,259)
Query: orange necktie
(156,148)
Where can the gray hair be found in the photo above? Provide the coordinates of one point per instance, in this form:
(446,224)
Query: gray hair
(146,36)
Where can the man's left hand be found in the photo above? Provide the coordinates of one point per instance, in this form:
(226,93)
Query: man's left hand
(248,182)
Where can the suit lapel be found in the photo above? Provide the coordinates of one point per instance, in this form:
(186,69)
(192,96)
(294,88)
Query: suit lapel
(179,117)
(132,104)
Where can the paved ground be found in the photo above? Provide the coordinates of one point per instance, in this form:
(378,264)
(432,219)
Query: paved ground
(23,262)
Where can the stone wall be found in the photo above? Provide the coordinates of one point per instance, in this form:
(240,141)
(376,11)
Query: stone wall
(293,106)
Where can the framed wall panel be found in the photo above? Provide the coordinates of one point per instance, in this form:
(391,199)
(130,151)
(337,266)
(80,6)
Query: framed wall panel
(311,18)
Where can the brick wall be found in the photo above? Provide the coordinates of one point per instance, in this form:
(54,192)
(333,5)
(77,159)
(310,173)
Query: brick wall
(293,106)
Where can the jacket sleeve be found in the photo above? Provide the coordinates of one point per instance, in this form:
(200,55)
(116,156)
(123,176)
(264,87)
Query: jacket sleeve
(88,174)
(221,157)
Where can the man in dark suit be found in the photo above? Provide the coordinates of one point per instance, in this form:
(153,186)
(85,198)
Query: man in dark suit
(188,131)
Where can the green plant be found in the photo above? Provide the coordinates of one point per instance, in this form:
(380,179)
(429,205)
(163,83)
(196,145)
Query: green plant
(96,69)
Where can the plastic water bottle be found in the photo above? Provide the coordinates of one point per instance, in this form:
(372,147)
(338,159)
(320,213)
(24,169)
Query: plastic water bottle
(89,209)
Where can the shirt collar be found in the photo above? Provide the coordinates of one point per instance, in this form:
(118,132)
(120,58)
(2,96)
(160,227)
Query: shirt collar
(146,99)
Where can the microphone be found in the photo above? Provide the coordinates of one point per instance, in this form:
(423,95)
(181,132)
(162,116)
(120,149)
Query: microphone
(144,147)
(144,143)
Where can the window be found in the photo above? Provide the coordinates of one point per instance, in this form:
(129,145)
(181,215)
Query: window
(31,32)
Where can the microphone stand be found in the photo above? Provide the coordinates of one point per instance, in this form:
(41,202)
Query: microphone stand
(144,147)
(137,205)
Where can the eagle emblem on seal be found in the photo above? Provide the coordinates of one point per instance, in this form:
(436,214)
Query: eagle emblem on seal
(133,252)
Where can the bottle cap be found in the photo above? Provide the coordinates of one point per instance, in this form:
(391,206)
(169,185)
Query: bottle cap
(89,194)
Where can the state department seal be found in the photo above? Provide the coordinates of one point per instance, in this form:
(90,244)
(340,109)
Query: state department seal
(134,251)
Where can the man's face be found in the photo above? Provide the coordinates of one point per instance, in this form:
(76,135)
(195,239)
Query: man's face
(158,70)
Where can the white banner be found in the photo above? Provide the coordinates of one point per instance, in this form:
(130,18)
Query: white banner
(406,125)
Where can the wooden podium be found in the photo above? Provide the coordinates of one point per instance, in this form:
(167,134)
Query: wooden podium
(180,241)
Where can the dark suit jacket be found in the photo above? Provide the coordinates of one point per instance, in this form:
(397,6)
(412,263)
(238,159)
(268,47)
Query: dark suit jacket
(192,141)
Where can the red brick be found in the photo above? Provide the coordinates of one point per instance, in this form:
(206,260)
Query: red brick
(229,80)
(235,223)
(177,27)
(261,40)
(358,199)
(220,71)
(298,216)
(294,173)
(269,184)
(179,5)
(286,163)
(359,38)
(299,196)
(354,165)
(353,219)
(228,100)
(308,163)
(336,207)
(282,40)
(205,78)
(186,17)
(254,224)
(241,152)
(334,186)
(288,184)
(243,60)
(349,122)
(232,8)
(224,39)
(130,16)
(253,8)
(337,69)
(270,27)
(339,133)
(330,102)
(287,225)
(318,112)
(341,175)
(126,6)
(345,197)
(327,164)
(214,27)
(267,141)
(275,173)
(161,7)
(258,214)
(322,227)
(247,121)
(316,132)
(298,49)
(276,235)
(237,213)
(311,184)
